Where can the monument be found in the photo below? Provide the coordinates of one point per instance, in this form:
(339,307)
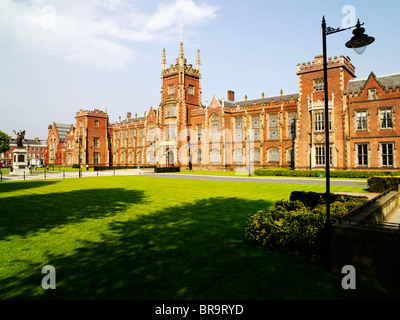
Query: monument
(20,162)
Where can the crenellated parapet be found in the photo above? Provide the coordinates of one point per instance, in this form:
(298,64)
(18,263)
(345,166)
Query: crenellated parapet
(317,64)
(93,113)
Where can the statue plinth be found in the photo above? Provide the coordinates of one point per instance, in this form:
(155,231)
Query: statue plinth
(20,162)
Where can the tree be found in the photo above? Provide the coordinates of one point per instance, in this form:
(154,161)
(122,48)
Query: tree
(4,142)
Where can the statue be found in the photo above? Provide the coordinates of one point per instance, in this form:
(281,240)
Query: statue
(20,138)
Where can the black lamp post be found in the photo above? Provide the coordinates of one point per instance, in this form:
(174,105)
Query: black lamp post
(358,42)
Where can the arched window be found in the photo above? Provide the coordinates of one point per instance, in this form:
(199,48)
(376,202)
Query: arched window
(273,155)
(215,156)
(151,156)
(238,155)
(215,127)
(255,155)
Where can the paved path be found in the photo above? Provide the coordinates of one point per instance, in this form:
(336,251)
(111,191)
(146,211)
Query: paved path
(74,174)
(40,175)
(394,217)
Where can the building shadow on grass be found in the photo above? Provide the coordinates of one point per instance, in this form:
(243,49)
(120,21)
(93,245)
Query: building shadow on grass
(25,214)
(193,251)
(21,185)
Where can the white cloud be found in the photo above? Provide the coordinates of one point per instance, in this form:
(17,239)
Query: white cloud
(185,12)
(95,33)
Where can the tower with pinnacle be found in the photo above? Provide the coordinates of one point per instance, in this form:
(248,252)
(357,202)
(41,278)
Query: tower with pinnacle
(180,94)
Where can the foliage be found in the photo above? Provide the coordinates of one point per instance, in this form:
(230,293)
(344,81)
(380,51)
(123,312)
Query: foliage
(167,169)
(380,184)
(4,142)
(296,225)
(318,173)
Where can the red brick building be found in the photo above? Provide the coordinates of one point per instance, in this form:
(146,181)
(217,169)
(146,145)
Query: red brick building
(286,130)
(373,122)
(36,152)
(56,144)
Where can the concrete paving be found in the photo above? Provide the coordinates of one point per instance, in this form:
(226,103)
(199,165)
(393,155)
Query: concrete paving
(50,174)
(394,217)
(238,178)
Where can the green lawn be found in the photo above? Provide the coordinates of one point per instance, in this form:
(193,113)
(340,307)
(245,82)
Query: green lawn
(137,237)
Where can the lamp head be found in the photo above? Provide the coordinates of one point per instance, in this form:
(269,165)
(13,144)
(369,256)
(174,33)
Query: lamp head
(359,41)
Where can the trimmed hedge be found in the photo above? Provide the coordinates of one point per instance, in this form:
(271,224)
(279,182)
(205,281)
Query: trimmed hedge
(167,169)
(297,226)
(380,184)
(99,168)
(318,173)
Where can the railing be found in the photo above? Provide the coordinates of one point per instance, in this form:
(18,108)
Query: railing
(350,218)
(356,210)
(372,224)
(62,174)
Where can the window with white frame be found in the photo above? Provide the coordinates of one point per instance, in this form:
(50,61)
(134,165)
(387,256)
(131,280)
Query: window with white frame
(273,126)
(319,124)
(255,155)
(255,128)
(96,158)
(273,155)
(361,119)
(362,154)
(319,121)
(320,155)
(171,132)
(238,155)
(215,125)
(191,89)
(170,111)
(387,154)
(386,118)
(151,135)
(198,157)
(151,156)
(318,85)
(238,129)
(215,156)
(372,94)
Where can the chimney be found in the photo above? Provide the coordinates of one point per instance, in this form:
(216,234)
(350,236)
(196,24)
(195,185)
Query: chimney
(128,115)
(36,138)
(231,96)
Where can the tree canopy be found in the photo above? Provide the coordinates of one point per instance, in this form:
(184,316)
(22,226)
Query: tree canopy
(4,142)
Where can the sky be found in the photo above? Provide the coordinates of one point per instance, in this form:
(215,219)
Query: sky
(57,57)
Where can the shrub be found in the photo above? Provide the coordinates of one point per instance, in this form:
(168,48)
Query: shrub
(76,166)
(380,184)
(317,173)
(297,226)
(167,169)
